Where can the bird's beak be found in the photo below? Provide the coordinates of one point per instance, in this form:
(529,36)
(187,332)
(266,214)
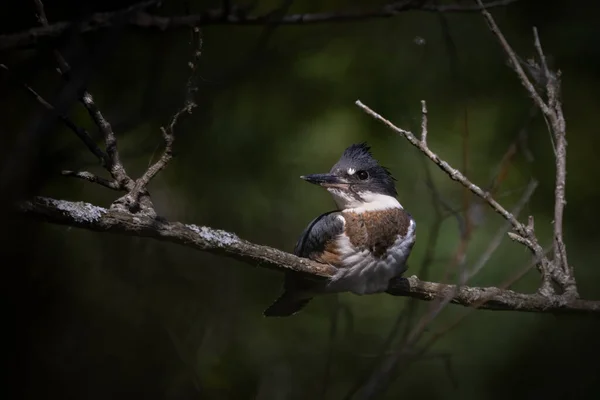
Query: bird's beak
(325,180)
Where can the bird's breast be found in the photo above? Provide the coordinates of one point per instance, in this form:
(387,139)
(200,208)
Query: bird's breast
(372,250)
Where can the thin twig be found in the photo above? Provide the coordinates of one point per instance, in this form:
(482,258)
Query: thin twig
(424,122)
(495,243)
(514,59)
(81,133)
(444,166)
(519,142)
(189,104)
(116,168)
(131,200)
(538,47)
(112,161)
(88,176)
(508,283)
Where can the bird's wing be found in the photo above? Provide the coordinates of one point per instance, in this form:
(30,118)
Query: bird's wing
(319,235)
(314,243)
(317,242)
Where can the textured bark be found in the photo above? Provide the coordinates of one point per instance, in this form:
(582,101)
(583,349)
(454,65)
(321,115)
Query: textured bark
(88,216)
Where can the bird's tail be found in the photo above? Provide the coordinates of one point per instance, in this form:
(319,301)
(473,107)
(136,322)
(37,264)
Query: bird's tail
(289,303)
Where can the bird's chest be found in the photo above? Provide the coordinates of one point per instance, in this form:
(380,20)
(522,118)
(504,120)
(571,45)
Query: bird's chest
(374,231)
(373,250)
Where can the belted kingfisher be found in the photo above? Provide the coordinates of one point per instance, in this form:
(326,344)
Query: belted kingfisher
(369,237)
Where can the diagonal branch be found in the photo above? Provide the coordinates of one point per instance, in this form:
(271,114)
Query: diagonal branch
(525,234)
(497,240)
(88,216)
(115,166)
(189,104)
(88,176)
(136,16)
(81,133)
(447,168)
(514,60)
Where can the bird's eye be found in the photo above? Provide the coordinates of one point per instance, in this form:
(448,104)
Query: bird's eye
(362,175)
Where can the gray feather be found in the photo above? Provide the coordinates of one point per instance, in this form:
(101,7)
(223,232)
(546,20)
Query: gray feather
(299,289)
(316,235)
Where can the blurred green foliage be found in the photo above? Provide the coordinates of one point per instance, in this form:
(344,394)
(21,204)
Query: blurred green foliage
(127,317)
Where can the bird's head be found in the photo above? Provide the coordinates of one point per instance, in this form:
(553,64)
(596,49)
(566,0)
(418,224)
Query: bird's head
(357,181)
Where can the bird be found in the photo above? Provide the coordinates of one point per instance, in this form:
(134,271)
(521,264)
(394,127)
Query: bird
(368,238)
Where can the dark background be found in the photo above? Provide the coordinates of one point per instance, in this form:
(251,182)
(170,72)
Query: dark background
(91,315)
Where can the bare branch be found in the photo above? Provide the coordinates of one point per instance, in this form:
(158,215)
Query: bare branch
(137,197)
(136,16)
(440,333)
(501,172)
(88,176)
(444,166)
(514,59)
(131,199)
(541,55)
(552,110)
(88,216)
(495,243)
(81,133)
(112,161)
(189,104)
(523,232)
(424,122)
(115,167)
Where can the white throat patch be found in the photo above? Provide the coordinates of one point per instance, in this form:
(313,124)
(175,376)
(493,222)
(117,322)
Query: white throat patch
(365,201)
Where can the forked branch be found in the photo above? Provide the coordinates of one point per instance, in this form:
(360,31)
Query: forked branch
(110,160)
(137,198)
(551,106)
(132,199)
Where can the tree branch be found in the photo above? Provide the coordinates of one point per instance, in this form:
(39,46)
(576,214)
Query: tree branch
(115,166)
(91,217)
(497,240)
(525,233)
(81,133)
(558,267)
(111,160)
(136,16)
(137,198)
(453,173)
(514,59)
(132,199)
(88,176)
